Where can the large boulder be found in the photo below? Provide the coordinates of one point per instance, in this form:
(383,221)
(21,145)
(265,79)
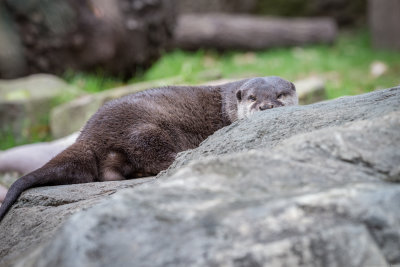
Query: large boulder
(54,205)
(26,102)
(312,185)
(268,130)
(116,37)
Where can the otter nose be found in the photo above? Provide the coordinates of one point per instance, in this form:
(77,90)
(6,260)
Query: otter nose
(267,106)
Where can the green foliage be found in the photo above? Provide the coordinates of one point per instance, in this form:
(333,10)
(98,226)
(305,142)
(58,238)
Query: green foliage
(178,63)
(345,65)
(38,134)
(92,83)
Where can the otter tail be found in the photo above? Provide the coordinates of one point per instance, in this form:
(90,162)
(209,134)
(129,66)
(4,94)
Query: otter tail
(77,164)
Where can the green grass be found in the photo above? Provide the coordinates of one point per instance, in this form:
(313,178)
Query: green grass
(38,133)
(345,66)
(92,83)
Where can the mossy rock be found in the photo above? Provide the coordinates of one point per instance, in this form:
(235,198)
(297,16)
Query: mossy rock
(26,102)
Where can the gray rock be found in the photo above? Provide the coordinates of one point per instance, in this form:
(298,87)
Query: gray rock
(311,90)
(26,102)
(268,129)
(302,186)
(53,205)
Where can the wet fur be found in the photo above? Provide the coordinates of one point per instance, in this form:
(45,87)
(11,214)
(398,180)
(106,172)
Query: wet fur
(140,134)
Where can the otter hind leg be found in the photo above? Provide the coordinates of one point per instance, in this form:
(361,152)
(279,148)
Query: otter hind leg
(153,150)
(115,167)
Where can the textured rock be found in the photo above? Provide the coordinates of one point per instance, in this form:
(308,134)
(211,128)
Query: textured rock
(269,129)
(311,90)
(52,205)
(303,186)
(26,102)
(116,37)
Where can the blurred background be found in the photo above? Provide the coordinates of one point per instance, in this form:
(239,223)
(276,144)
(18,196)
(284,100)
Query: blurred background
(62,59)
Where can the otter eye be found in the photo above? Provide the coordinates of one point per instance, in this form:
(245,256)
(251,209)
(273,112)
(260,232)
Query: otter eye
(252,98)
(280,95)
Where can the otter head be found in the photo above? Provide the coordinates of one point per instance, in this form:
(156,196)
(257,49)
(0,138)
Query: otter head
(260,94)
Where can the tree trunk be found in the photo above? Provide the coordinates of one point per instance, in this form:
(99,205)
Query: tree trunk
(115,36)
(384,18)
(207,6)
(222,31)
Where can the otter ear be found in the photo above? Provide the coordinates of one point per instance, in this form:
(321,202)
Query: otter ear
(293,87)
(239,95)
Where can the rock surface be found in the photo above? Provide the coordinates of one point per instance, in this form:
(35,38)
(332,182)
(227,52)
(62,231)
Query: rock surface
(311,89)
(52,205)
(270,129)
(311,185)
(26,102)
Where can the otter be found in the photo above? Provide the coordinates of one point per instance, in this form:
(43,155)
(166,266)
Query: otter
(140,134)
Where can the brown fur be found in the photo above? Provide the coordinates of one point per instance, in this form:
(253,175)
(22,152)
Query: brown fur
(140,134)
